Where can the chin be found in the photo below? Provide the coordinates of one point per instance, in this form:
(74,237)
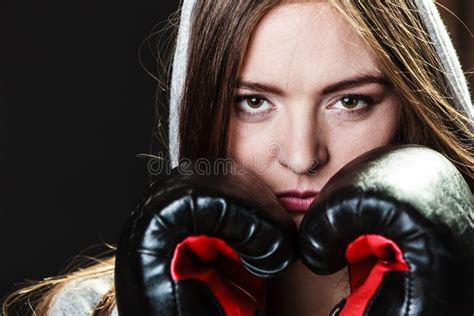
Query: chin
(297,218)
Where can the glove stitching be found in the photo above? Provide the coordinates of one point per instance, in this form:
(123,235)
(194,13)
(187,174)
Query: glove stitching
(332,223)
(177,300)
(256,226)
(192,211)
(160,220)
(388,220)
(374,297)
(359,212)
(223,214)
(409,278)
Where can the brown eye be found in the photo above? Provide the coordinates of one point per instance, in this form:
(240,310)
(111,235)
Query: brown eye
(349,102)
(252,105)
(352,105)
(255,102)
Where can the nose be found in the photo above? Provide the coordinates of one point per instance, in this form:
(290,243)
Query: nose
(302,149)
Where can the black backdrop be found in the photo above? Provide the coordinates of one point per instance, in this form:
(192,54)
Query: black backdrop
(75,110)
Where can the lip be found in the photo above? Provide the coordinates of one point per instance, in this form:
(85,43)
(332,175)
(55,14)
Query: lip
(296,201)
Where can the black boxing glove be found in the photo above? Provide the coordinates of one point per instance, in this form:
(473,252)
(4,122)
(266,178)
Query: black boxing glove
(402,218)
(188,247)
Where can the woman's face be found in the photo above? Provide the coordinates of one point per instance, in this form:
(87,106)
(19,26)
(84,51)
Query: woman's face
(310,99)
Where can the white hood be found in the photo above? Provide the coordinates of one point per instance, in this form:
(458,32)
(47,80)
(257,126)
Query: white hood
(437,30)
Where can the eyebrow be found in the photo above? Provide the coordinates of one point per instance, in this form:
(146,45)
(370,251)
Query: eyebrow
(334,87)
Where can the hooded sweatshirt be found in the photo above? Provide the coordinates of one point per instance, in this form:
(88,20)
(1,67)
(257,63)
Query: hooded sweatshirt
(80,297)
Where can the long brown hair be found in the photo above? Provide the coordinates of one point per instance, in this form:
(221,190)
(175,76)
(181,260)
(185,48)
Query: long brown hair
(405,54)
(220,35)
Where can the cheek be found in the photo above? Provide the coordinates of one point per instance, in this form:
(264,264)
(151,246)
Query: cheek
(247,144)
(355,139)
(255,147)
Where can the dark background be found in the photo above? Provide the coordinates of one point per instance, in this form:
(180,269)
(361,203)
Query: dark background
(76,108)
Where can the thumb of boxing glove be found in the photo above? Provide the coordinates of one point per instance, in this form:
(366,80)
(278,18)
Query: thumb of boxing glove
(402,218)
(184,248)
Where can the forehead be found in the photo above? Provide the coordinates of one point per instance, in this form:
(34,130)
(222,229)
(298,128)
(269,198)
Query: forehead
(305,44)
